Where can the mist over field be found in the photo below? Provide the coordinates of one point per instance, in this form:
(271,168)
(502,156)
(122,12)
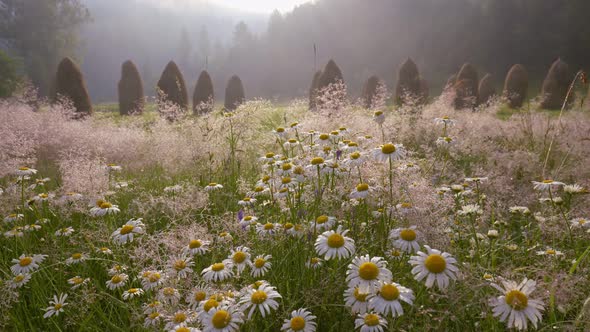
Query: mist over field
(292,165)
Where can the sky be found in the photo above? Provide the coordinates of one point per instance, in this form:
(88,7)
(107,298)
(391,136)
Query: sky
(260,6)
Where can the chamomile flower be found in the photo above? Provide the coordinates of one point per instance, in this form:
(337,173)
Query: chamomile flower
(26,264)
(197,247)
(445,141)
(361,191)
(379,117)
(387,299)
(248,221)
(104,251)
(515,307)
(574,189)
(240,258)
(247,201)
(15,232)
(370,322)
(223,318)
(13,217)
(550,252)
(25,171)
(66,231)
(261,299)
(260,265)
(335,244)
(323,222)
(151,279)
(169,295)
(357,301)
(224,237)
(117,281)
(104,208)
(117,269)
(43,197)
(268,229)
(470,210)
(435,266)
(519,210)
(389,152)
(196,296)
(125,233)
(180,317)
(355,159)
(113,168)
(546,185)
(365,273)
(405,239)
(78,281)
(218,271)
(301,320)
(152,319)
(580,222)
(132,293)
(181,266)
(213,186)
(76,258)
(280,132)
(56,306)
(19,280)
(314,263)
(445,120)
(183,328)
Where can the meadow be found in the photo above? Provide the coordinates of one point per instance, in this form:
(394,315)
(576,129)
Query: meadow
(275,217)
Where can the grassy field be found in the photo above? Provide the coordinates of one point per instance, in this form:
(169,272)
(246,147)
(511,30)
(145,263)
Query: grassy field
(340,212)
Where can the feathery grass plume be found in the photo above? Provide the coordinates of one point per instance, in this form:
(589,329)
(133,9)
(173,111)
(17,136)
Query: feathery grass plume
(203,96)
(516,86)
(131,98)
(331,83)
(234,93)
(466,93)
(486,89)
(408,83)
(330,75)
(424,91)
(69,83)
(370,91)
(313,89)
(556,85)
(171,87)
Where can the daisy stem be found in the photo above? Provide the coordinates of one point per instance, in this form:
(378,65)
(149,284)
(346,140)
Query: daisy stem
(390,180)
(360,175)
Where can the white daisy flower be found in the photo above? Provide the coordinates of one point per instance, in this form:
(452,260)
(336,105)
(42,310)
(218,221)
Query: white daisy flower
(104,208)
(76,258)
(56,306)
(169,295)
(445,120)
(357,301)
(519,209)
(405,239)
(213,186)
(260,265)
(240,258)
(113,168)
(224,318)
(117,269)
(301,320)
(15,232)
(580,222)
(470,209)
(335,244)
(180,317)
(181,266)
(546,185)
(389,152)
(26,264)
(370,322)
(196,296)
(224,237)
(25,171)
(365,273)
(78,281)
(19,280)
(268,229)
(515,307)
(183,328)
(379,117)
(248,221)
(387,299)
(151,279)
(132,293)
(355,159)
(218,271)
(280,132)
(261,299)
(574,189)
(361,191)
(13,217)
(117,281)
(152,319)
(445,141)
(197,247)
(104,250)
(550,252)
(125,233)
(434,266)
(247,201)
(323,222)
(67,231)
(43,197)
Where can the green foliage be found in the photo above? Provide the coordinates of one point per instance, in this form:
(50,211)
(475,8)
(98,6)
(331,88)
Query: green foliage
(313,89)
(234,94)
(130,87)
(407,88)
(171,86)
(69,83)
(9,77)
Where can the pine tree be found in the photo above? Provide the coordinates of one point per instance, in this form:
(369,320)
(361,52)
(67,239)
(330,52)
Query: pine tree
(171,86)
(130,87)
(516,86)
(69,83)
(424,91)
(234,94)
(330,75)
(466,93)
(407,88)
(203,96)
(370,91)
(486,89)
(556,85)
(313,90)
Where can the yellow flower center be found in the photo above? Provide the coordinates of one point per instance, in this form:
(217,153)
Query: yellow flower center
(126,229)
(294,124)
(280,130)
(286,166)
(25,261)
(361,297)
(179,265)
(217,267)
(547,181)
(270,155)
(106,205)
(335,241)
(154,277)
(259,263)
(258,297)
(317,161)
(389,292)
(23,168)
(77,256)
(550,252)
(133,290)
(179,317)
(200,296)
(315,260)
(268,226)
(57,306)
(371,320)
(246,199)
(322,219)
(335,133)
(19,278)
(239,257)
(297,323)
(355,155)
(154,315)
(324,137)
(352,144)
(517,299)
(362,187)
(388,148)
(182,329)
(292,141)
(221,319)
(286,180)
(116,279)
(378,113)
(43,195)
(368,271)
(288,225)
(435,263)
(212,184)
(407,234)
(396,253)
(581,222)
(194,244)
(211,303)
(299,170)
(406,205)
